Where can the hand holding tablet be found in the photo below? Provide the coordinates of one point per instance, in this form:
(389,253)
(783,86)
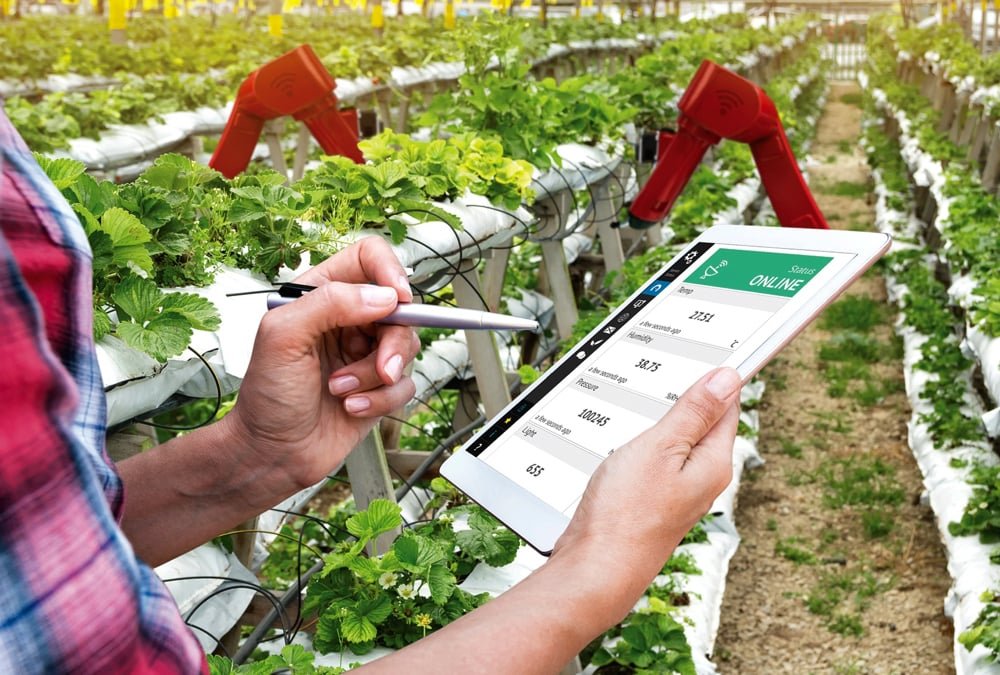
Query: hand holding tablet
(734,298)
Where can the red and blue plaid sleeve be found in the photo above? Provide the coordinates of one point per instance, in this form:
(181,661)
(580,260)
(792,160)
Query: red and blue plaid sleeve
(73,596)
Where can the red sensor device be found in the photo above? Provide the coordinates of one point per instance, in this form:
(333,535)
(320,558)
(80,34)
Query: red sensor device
(293,84)
(719,104)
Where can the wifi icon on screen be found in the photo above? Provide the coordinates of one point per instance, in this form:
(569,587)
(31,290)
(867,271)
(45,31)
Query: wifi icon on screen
(728,101)
(285,83)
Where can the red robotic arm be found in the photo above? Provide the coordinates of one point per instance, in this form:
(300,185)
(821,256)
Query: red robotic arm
(720,104)
(293,84)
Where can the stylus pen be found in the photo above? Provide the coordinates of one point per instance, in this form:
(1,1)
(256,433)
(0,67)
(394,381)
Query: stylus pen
(437,316)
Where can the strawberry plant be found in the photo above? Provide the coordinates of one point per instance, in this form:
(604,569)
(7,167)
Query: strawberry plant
(529,117)
(349,196)
(397,596)
(650,640)
(292,659)
(147,318)
(446,168)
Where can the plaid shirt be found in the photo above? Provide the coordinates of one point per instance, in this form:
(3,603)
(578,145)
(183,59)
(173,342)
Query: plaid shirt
(73,595)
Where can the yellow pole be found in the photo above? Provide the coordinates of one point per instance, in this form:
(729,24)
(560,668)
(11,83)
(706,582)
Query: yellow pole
(982,26)
(274,20)
(449,14)
(996,22)
(169,9)
(116,20)
(378,17)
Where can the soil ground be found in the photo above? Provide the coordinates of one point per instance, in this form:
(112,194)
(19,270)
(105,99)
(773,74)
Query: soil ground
(877,600)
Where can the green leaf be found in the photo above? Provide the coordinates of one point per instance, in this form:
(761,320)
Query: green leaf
(359,623)
(487,540)
(151,208)
(128,236)
(163,337)
(102,249)
(62,171)
(417,553)
(327,637)
(124,228)
(329,587)
(442,583)
(220,665)
(102,324)
(93,196)
(139,298)
(380,517)
(601,657)
(365,568)
(176,172)
(199,311)
(635,636)
(397,230)
(297,658)
(244,210)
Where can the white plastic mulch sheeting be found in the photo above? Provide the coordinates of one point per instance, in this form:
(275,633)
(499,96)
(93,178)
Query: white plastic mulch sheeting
(210,588)
(981,347)
(947,490)
(54,83)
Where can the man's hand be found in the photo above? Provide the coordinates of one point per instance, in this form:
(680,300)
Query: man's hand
(322,372)
(643,499)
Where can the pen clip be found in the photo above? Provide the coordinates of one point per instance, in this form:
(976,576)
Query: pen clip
(290,290)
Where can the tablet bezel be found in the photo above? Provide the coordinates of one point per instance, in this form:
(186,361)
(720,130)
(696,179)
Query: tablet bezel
(537,522)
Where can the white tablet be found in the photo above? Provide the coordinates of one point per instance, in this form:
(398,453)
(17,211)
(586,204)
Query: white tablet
(733,297)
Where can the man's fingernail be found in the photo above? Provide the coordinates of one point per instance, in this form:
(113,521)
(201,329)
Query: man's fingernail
(356,404)
(343,384)
(723,383)
(404,286)
(394,367)
(378,296)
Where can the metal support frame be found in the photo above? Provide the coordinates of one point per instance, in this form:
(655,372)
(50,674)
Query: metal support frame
(483,350)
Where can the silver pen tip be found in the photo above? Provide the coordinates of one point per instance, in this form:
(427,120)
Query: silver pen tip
(515,323)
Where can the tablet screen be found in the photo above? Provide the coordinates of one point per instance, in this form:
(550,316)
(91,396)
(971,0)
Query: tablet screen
(714,306)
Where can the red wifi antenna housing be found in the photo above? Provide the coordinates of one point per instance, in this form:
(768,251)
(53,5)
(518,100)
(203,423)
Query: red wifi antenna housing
(293,84)
(719,104)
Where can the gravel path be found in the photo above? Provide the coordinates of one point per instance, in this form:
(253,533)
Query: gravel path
(819,585)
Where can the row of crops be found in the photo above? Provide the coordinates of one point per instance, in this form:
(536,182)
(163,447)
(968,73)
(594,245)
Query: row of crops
(931,138)
(503,189)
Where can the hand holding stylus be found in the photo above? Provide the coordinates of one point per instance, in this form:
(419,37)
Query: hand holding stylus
(323,371)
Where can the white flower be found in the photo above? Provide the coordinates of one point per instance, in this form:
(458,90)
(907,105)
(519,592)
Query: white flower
(447,518)
(406,591)
(387,580)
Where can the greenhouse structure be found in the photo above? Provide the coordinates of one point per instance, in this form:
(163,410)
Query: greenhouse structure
(399,335)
